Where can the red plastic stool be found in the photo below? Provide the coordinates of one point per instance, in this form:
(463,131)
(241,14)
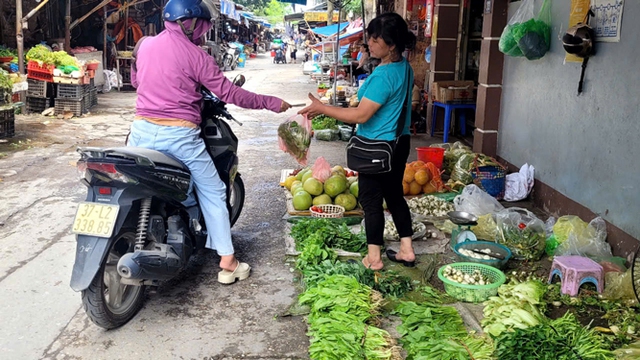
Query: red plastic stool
(574,271)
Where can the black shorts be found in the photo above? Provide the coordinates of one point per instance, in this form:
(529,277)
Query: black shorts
(293,55)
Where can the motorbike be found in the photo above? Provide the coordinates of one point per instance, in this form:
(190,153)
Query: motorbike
(280,57)
(230,60)
(217,52)
(133,230)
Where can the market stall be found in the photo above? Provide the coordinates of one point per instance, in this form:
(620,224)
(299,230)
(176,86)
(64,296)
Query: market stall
(536,282)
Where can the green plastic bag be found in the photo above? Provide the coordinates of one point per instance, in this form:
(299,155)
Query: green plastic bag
(527,35)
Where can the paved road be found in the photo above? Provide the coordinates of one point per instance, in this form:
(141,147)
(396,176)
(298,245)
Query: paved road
(192,317)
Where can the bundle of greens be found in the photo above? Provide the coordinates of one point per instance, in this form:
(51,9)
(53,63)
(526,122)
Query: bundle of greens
(40,53)
(294,138)
(322,122)
(6,87)
(340,308)
(436,332)
(6,52)
(560,339)
(313,252)
(518,306)
(335,235)
(388,283)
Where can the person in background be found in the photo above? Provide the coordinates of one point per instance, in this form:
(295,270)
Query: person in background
(294,49)
(255,44)
(382,99)
(168,114)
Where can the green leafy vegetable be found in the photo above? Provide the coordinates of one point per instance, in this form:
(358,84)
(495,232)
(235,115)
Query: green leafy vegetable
(560,339)
(322,122)
(335,235)
(516,307)
(296,139)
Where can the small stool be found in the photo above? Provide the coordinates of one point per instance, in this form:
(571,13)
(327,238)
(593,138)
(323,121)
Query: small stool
(448,109)
(574,271)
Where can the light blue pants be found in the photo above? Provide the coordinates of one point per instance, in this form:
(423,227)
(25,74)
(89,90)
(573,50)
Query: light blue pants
(186,145)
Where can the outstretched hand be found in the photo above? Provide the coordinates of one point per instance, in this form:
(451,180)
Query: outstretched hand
(284,106)
(314,109)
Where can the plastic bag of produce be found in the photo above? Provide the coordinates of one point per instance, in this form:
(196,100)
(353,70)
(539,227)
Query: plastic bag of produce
(619,286)
(487,229)
(462,170)
(327,134)
(452,154)
(294,137)
(475,201)
(522,232)
(527,35)
(576,237)
(321,170)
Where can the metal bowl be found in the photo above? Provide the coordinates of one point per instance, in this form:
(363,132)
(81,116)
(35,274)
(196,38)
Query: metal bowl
(462,218)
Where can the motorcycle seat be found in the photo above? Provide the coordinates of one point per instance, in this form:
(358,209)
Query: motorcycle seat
(157,157)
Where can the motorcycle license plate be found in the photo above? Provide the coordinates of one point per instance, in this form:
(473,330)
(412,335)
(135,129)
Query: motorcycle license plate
(95,219)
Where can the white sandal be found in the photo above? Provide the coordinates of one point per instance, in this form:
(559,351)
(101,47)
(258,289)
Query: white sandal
(241,272)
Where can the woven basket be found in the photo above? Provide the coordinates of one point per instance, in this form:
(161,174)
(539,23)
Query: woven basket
(473,293)
(328,211)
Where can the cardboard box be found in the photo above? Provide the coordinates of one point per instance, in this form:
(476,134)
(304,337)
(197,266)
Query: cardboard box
(453,91)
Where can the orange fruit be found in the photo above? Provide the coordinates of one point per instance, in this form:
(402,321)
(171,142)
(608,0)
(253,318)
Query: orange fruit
(415,188)
(418,165)
(405,188)
(428,188)
(422,176)
(409,174)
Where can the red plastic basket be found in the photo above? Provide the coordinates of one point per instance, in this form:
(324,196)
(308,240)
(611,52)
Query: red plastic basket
(431,154)
(92,66)
(42,72)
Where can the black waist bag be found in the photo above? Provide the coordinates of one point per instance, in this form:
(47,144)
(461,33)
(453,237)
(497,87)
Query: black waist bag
(369,156)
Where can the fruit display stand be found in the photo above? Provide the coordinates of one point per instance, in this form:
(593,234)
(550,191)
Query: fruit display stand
(289,200)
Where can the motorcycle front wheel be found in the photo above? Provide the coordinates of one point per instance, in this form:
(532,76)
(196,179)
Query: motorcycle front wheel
(236,199)
(108,302)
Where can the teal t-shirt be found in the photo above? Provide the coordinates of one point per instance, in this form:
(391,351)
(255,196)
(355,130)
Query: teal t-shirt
(387,86)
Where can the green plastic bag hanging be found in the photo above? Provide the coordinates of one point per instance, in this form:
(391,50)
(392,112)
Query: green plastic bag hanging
(527,35)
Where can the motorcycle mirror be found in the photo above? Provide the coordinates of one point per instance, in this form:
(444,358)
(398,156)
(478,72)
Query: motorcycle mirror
(239,80)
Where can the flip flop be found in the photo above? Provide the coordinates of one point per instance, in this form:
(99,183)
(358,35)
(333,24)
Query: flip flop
(391,254)
(241,272)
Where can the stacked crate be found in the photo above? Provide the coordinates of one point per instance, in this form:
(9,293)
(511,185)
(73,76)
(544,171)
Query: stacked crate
(7,123)
(39,95)
(71,98)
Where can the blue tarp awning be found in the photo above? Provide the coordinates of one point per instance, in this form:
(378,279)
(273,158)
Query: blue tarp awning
(299,2)
(228,8)
(329,30)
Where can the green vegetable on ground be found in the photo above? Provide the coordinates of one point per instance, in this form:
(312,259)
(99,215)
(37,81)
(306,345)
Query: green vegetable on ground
(322,122)
(334,235)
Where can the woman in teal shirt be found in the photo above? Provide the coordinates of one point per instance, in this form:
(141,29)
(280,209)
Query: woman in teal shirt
(382,98)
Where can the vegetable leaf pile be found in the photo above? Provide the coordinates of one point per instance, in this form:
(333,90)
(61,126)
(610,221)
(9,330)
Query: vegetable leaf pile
(322,122)
(336,236)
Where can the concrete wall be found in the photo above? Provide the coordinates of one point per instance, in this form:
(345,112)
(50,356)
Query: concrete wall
(586,147)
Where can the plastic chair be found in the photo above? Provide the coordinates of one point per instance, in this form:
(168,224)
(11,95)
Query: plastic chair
(362,77)
(574,271)
(448,109)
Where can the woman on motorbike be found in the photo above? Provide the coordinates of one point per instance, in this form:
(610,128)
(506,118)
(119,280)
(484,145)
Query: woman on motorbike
(382,98)
(169,71)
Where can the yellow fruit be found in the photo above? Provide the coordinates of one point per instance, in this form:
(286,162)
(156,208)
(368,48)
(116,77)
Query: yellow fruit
(418,165)
(409,175)
(415,188)
(422,176)
(289,181)
(405,188)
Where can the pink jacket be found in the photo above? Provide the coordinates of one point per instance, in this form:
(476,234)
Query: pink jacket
(170,71)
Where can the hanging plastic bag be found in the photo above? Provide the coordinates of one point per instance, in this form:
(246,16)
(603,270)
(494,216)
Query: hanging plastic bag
(475,201)
(576,237)
(527,35)
(522,232)
(321,170)
(294,137)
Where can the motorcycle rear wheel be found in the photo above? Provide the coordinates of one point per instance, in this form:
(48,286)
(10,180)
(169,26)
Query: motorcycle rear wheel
(236,199)
(227,61)
(107,302)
